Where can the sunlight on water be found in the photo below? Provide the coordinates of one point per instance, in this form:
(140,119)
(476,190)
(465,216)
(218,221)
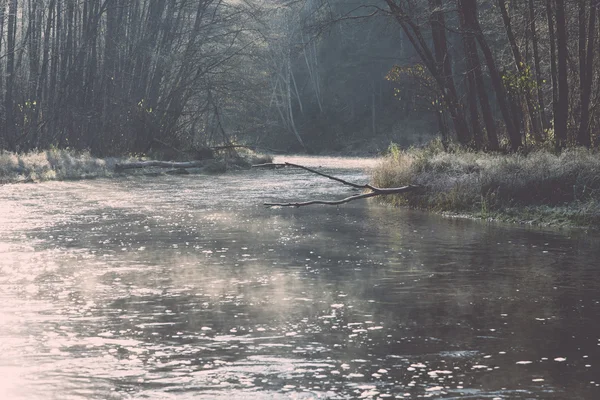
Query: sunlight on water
(187,287)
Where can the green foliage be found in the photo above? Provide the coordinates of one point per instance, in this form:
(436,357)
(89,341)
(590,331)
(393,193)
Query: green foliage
(394,151)
(142,107)
(414,83)
(520,82)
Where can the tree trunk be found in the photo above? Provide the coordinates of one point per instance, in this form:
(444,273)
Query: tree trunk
(538,70)
(2,15)
(41,95)
(444,66)
(553,67)
(108,69)
(33,53)
(562,109)
(514,135)
(10,71)
(587,77)
(470,48)
(521,68)
(416,38)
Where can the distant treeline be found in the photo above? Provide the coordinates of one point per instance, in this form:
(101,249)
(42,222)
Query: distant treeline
(113,75)
(537,59)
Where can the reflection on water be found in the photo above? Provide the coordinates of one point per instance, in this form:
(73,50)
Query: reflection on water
(186,287)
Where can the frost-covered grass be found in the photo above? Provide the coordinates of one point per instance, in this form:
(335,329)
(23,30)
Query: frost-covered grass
(53,164)
(539,187)
(245,158)
(58,164)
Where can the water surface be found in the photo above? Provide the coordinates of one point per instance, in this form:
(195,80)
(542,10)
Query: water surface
(186,287)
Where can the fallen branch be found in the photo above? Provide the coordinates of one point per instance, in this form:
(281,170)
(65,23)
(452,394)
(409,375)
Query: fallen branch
(161,164)
(249,147)
(231,146)
(374,191)
(282,165)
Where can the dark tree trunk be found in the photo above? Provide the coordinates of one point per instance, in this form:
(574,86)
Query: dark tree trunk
(520,64)
(562,109)
(32,50)
(587,76)
(470,48)
(413,33)
(10,71)
(444,65)
(108,69)
(538,69)
(486,110)
(442,126)
(553,66)
(2,15)
(42,95)
(514,135)
(53,81)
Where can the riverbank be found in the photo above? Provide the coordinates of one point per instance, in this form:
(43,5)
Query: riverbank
(58,164)
(540,188)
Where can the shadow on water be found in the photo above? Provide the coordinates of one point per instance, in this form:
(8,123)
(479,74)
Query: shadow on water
(185,287)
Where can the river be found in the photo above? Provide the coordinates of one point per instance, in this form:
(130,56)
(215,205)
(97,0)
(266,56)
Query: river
(186,287)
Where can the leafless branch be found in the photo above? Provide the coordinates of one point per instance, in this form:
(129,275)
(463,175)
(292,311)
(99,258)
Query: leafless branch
(274,165)
(374,191)
(162,164)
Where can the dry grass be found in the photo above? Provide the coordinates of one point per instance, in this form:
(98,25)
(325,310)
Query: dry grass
(244,158)
(544,186)
(52,165)
(67,165)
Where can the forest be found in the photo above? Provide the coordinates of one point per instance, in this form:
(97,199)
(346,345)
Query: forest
(129,76)
(299,199)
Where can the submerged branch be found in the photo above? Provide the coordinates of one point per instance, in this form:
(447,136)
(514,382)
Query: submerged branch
(162,164)
(374,191)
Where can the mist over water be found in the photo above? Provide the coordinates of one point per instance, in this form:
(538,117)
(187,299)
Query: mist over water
(186,287)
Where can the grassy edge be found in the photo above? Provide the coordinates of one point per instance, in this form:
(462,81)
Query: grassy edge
(539,189)
(64,164)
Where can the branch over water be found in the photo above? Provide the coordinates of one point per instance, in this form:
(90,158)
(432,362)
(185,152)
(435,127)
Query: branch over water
(374,191)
